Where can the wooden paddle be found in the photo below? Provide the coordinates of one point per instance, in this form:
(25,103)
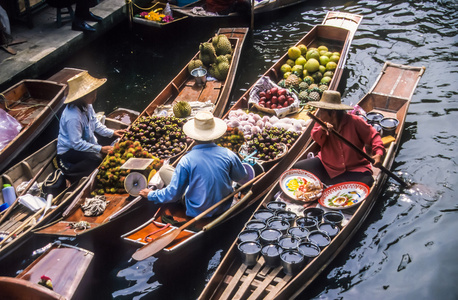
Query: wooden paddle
(165,239)
(361,152)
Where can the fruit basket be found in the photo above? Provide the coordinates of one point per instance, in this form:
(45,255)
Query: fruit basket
(245,152)
(266,98)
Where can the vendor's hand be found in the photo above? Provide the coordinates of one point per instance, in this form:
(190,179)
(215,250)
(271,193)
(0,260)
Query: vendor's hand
(119,133)
(106,149)
(377,160)
(328,127)
(144,193)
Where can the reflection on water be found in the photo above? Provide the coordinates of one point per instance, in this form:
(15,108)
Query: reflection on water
(137,276)
(406,249)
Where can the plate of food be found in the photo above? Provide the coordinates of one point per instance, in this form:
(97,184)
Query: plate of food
(301,185)
(344,195)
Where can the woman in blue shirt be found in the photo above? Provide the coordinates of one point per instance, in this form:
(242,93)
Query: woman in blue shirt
(78,152)
(205,174)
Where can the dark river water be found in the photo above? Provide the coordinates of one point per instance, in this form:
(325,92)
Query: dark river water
(406,249)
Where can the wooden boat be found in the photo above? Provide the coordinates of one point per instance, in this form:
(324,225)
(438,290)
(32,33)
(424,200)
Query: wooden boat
(65,265)
(33,103)
(182,88)
(340,38)
(390,95)
(159,7)
(196,9)
(18,222)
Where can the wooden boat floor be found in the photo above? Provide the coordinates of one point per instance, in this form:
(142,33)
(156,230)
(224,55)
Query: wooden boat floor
(259,281)
(115,203)
(27,110)
(16,218)
(202,93)
(65,267)
(158,227)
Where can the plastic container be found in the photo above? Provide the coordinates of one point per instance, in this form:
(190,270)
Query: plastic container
(389,126)
(248,235)
(9,194)
(292,261)
(4,206)
(271,254)
(250,252)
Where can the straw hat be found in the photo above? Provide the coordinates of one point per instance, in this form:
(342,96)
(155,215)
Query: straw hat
(205,127)
(330,100)
(82,84)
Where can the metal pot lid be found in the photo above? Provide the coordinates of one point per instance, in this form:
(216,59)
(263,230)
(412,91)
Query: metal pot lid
(389,123)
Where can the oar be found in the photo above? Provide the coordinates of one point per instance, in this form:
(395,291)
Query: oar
(31,182)
(364,154)
(165,239)
(23,225)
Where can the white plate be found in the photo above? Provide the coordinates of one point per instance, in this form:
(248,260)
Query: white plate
(344,195)
(295,179)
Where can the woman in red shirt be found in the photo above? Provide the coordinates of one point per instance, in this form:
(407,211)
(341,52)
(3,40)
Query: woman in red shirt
(337,162)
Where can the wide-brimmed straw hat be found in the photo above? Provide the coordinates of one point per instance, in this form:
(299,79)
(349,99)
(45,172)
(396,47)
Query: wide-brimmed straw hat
(205,127)
(330,100)
(82,84)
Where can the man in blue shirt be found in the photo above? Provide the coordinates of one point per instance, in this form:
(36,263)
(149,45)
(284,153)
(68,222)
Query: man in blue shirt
(205,174)
(78,152)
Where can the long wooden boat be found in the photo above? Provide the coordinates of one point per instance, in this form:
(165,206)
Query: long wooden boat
(181,88)
(65,265)
(390,95)
(340,38)
(18,222)
(155,6)
(33,103)
(197,9)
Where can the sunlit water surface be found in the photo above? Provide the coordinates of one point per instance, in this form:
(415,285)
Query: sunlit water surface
(406,249)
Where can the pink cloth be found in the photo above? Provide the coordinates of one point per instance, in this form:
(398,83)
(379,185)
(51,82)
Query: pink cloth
(336,156)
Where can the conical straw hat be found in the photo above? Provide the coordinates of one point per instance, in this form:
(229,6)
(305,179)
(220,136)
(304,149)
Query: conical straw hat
(82,84)
(330,100)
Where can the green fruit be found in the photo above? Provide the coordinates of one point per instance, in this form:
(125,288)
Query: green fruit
(334,58)
(294,52)
(322,47)
(303,48)
(285,68)
(325,80)
(322,69)
(317,76)
(297,68)
(312,65)
(324,60)
(328,74)
(312,54)
(290,62)
(331,66)
(181,109)
(300,60)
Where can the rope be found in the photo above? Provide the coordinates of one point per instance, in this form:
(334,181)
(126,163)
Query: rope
(142,8)
(3,98)
(156,231)
(81,225)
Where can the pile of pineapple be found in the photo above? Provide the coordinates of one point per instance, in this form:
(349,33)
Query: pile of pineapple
(308,72)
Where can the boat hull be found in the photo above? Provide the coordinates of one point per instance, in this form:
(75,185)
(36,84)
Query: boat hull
(233,279)
(33,103)
(340,38)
